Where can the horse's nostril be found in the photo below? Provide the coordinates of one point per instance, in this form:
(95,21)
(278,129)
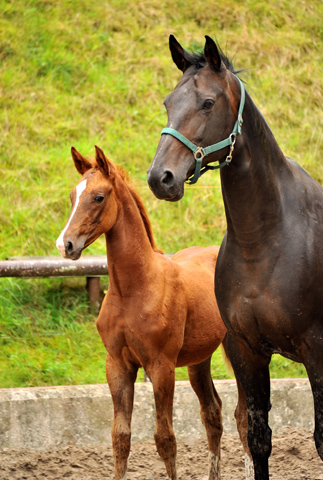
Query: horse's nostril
(69,247)
(168,178)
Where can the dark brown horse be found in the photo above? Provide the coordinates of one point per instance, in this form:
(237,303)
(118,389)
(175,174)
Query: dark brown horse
(159,313)
(269,273)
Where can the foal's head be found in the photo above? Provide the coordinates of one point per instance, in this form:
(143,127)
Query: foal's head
(94,204)
(203,107)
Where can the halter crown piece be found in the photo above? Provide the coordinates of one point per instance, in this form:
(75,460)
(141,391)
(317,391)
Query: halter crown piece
(200,152)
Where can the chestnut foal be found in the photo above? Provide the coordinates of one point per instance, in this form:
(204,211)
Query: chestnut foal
(159,313)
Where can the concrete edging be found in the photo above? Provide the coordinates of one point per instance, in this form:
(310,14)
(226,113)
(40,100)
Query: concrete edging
(51,417)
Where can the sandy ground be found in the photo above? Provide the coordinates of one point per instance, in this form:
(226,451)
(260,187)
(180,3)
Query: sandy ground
(294,457)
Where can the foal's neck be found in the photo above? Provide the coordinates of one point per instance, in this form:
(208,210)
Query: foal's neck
(131,257)
(251,183)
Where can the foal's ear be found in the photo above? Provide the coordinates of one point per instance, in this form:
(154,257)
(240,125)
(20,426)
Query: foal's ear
(212,54)
(103,162)
(82,165)
(179,55)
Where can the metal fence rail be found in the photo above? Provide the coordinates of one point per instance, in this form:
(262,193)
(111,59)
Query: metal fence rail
(90,266)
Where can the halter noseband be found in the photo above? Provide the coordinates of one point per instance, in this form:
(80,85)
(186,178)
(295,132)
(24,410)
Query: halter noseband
(200,152)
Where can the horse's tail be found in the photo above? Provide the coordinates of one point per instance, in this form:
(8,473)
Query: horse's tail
(225,356)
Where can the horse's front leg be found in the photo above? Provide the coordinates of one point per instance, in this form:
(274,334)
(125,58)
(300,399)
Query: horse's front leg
(313,361)
(252,371)
(241,416)
(162,376)
(210,403)
(121,378)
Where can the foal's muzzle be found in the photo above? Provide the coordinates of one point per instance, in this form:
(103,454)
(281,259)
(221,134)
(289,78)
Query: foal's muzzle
(70,249)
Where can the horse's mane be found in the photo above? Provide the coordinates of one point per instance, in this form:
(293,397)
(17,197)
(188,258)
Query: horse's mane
(199,61)
(125,177)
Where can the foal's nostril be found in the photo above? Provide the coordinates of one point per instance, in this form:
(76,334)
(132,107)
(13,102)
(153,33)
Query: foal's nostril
(168,179)
(69,247)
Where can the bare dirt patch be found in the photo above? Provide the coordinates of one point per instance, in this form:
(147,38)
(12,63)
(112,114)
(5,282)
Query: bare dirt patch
(294,457)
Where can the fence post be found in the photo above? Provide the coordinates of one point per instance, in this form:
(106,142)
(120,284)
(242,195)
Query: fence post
(93,289)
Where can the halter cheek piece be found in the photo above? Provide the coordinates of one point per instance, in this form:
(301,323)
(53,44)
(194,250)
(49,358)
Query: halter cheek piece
(200,152)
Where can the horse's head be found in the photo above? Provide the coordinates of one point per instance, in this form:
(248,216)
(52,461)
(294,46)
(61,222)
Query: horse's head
(94,206)
(203,108)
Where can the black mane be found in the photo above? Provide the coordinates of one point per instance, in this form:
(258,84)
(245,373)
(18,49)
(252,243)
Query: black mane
(199,61)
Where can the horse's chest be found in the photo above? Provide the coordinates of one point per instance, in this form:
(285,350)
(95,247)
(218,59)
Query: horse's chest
(258,317)
(244,311)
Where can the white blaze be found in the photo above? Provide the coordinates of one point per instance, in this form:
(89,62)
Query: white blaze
(60,241)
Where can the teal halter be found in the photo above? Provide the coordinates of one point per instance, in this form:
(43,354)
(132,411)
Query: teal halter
(200,152)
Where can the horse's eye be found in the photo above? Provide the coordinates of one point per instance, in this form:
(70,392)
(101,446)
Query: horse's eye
(208,104)
(98,199)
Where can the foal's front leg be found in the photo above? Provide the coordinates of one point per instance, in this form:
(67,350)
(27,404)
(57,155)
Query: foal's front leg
(162,376)
(121,378)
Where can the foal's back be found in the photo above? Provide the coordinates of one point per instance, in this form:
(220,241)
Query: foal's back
(198,256)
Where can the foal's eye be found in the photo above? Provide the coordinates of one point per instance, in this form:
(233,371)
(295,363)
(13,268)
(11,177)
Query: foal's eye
(208,104)
(98,199)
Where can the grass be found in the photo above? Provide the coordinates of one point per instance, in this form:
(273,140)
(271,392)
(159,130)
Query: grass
(84,73)
(48,337)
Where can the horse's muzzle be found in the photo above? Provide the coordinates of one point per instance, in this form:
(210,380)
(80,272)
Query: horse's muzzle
(164,185)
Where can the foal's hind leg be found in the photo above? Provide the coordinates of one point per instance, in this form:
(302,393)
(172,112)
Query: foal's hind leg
(241,416)
(162,376)
(210,402)
(121,379)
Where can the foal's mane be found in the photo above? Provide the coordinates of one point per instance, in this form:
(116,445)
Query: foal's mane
(125,177)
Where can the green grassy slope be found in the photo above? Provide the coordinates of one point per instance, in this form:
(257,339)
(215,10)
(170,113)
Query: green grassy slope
(84,73)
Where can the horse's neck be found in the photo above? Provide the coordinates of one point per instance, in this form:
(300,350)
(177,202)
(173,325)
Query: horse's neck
(251,183)
(131,258)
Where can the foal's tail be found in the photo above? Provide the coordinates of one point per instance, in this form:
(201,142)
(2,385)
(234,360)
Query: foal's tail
(225,357)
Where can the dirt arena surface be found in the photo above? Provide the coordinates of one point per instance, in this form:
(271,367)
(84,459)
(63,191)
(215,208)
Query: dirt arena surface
(293,458)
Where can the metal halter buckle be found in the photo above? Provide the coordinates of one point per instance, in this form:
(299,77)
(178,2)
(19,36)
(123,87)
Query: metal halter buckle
(229,157)
(199,154)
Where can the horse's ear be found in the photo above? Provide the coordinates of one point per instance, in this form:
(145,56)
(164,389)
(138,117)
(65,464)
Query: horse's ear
(103,162)
(212,54)
(82,165)
(179,55)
